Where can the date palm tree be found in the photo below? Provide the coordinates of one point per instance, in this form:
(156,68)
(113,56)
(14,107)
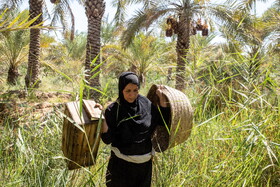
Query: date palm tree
(13,46)
(76,48)
(32,75)
(250,34)
(35,12)
(144,55)
(272,27)
(94,12)
(185,13)
(61,11)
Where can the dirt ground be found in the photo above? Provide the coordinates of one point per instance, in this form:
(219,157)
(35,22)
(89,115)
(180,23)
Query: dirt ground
(19,106)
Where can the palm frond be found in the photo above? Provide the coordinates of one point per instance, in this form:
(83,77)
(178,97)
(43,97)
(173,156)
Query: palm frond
(11,4)
(61,13)
(13,47)
(223,15)
(12,21)
(120,12)
(251,3)
(142,20)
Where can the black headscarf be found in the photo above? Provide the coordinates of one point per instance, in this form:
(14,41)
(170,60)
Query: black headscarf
(124,79)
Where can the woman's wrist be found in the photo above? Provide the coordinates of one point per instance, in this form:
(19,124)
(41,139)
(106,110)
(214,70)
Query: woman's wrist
(104,127)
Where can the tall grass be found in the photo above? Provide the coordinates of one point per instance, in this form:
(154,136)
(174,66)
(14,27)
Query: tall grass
(220,152)
(31,156)
(235,140)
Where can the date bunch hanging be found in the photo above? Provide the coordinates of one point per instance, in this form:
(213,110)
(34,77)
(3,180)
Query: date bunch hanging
(172,26)
(55,1)
(198,26)
(205,29)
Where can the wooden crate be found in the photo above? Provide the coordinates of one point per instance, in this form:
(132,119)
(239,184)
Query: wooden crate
(80,135)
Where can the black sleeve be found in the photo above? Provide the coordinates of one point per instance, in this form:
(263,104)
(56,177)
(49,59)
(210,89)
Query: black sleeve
(107,137)
(110,117)
(161,115)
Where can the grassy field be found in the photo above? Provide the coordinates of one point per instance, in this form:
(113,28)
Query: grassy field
(235,140)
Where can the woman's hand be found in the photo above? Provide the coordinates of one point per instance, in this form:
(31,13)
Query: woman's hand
(163,102)
(97,105)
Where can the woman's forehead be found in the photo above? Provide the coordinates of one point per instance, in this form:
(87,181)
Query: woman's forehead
(131,86)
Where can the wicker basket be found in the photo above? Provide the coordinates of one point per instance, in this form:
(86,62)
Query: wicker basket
(180,125)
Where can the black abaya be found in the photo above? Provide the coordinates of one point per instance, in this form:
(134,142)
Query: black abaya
(130,127)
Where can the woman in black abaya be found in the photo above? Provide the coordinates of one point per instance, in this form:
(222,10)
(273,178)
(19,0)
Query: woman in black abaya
(130,122)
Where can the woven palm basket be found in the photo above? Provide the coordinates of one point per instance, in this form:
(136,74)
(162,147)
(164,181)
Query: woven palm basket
(178,129)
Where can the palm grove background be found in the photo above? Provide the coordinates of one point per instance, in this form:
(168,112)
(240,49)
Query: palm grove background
(233,86)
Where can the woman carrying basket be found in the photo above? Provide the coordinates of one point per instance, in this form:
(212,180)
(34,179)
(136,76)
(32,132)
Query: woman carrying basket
(130,123)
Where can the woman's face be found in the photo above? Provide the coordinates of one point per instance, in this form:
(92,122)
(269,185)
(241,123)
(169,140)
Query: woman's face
(130,92)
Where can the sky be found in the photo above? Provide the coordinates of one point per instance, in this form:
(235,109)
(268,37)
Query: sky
(81,20)
(81,23)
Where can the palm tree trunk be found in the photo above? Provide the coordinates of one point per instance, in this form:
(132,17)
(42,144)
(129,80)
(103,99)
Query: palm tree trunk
(12,75)
(94,11)
(183,43)
(32,75)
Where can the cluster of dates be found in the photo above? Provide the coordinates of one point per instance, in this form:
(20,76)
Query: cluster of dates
(172,27)
(55,1)
(198,26)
